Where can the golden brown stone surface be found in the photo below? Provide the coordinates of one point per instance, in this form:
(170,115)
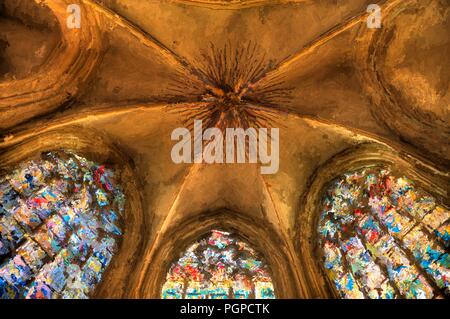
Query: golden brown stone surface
(115,88)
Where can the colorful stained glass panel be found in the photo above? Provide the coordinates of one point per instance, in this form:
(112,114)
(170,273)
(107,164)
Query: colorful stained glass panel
(218,267)
(58,226)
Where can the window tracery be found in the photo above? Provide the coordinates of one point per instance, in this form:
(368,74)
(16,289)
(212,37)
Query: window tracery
(380,236)
(60,222)
(219,267)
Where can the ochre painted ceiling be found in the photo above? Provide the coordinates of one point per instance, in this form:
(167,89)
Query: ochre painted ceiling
(113,78)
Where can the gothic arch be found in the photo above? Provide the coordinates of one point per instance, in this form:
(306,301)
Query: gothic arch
(86,55)
(404,110)
(96,148)
(65,71)
(256,233)
(366,155)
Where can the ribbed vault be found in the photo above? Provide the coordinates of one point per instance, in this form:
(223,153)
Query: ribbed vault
(111,90)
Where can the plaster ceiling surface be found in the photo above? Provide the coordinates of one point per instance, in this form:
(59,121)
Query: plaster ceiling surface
(15,63)
(179,191)
(25,43)
(129,93)
(419,39)
(309,44)
(315,58)
(279,29)
(193,29)
(316,62)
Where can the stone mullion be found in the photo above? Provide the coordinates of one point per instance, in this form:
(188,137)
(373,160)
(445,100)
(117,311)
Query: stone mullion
(409,255)
(362,200)
(323,270)
(419,222)
(185,287)
(345,265)
(381,265)
(441,240)
(375,258)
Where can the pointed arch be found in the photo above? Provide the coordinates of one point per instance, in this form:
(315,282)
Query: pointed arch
(381,237)
(219,266)
(429,180)
(76,146)
(254,231)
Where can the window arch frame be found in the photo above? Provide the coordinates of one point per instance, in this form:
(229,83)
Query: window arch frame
(253,231)
(367,155)
(81,143)
(232,236)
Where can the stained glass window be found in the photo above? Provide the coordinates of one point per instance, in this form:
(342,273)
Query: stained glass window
(60,221)
(219,267)
(383,237)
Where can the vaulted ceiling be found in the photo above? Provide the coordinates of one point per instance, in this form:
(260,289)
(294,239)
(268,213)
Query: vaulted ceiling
(344,86)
